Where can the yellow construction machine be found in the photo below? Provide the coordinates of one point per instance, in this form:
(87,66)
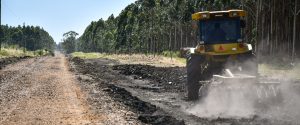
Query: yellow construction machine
(221,55)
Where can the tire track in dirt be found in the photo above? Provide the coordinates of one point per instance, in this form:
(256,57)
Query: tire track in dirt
(42,91)
(15,74)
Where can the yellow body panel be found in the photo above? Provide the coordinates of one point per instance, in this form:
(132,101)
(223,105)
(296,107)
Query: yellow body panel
(220,50)
(199,15)
(224,49)
(208,14)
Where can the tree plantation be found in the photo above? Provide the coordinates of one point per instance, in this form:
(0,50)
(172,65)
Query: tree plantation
(29,37)
(154,26)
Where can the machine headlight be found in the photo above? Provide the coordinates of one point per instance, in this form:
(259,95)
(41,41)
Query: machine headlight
(204,15)
(235,14)
(249,46)
(192,50)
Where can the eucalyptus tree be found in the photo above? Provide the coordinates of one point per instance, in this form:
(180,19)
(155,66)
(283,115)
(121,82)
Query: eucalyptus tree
(69,40)
(160,25)
(29,37)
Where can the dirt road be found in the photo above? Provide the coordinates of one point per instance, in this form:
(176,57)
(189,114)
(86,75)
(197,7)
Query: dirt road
(44,91)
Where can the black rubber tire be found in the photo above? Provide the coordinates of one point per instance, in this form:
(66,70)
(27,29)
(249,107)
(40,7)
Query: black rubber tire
(194,75)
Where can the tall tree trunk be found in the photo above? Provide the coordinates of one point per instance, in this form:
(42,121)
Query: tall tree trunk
(294,29)
(175,36)
(181,36)
(170,41)
(186,36)
(256,26)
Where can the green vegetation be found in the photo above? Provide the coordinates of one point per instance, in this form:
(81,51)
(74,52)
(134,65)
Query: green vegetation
(19,52)
(157,60)
(156,26)
(69,42)
(27,37)
(278,72)
(174,55)
(88,55)
(171,53)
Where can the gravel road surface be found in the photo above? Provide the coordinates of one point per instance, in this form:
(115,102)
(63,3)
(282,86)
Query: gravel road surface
(43,91)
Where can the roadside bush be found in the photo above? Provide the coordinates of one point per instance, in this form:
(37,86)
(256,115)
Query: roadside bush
(39,52)
(171,53)
(4,53)
(51,53)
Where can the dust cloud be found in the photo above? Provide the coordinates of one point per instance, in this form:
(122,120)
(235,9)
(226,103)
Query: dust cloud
(242,98)
(224,102)
(289,108)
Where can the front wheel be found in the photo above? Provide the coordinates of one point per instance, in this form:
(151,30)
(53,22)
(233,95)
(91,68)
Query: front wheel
(194,75)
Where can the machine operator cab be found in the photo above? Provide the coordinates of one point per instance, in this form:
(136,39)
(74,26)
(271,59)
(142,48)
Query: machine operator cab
(220,32)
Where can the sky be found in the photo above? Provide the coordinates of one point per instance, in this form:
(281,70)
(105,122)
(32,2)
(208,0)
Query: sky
(59,16)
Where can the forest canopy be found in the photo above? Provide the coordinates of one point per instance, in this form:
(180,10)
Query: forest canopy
(154,26)
(30,37)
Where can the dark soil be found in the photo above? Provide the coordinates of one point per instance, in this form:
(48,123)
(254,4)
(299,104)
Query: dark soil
(147,112)
(154,93)
(10,60)
(170,79)
(121,95)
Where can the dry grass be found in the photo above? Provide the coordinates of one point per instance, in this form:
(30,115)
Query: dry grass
(279,72)
(155,60)
(7,52)
(162,61)
(12,52)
